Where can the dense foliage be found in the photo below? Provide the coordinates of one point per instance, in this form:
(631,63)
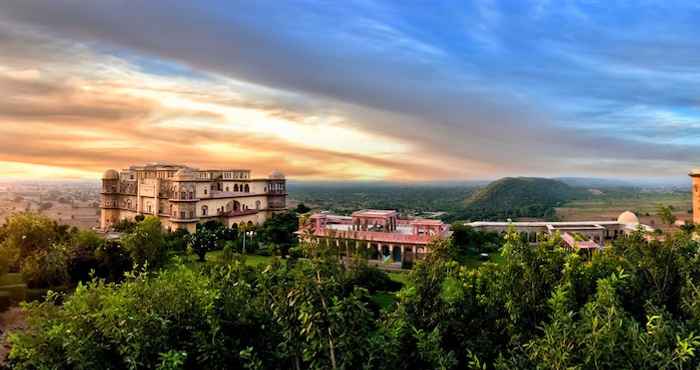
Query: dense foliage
(513,197)
(344,198)
(635,305)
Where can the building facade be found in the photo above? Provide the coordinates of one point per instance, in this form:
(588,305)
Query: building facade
(575,234)
(181,197)
(380,234)
(695,191)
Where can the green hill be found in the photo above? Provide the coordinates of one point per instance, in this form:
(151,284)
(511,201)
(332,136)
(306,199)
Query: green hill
(513,197)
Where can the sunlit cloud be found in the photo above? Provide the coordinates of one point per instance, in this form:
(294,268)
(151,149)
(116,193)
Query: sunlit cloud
(359,90)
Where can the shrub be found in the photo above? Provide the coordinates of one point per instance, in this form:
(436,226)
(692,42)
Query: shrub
(109,326)
(176,241)
(146,244)
(370,278)
(113,261)
(81,255)
(228,252)
(46,268)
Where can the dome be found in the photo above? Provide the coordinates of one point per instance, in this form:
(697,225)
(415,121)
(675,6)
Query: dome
(184,174)
(110,175)
(628,218)
(277,175)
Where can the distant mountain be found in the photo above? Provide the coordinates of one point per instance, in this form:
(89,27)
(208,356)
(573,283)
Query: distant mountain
(513,197)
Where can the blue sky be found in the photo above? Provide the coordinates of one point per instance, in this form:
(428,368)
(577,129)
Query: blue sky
(411,90)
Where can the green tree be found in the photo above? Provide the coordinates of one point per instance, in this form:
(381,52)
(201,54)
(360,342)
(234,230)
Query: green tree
(302,208)
(146,244)
(666,214)
(26,234)
(203,241)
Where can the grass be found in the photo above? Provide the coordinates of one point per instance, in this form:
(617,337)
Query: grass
(474,261)
(383,299)
(216,256)
(399,277)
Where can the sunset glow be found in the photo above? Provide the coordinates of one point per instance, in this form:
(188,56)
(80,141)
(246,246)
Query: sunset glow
(367,97)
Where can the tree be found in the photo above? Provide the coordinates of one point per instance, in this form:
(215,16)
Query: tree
(124,225)
(146,244)
(26,234)
(279,231)
(666,215)
(203,241)
(81,255)
(302,208)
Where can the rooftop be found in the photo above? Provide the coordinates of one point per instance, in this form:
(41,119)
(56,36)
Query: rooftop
(374,213)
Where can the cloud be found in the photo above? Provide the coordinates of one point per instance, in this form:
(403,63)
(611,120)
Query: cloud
(360,90)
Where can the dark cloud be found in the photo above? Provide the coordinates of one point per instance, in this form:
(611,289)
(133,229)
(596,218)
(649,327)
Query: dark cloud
(496,106)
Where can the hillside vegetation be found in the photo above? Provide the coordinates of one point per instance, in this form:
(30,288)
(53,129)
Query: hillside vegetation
(513,197)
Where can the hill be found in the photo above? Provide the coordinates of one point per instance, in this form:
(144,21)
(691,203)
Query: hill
(514,197)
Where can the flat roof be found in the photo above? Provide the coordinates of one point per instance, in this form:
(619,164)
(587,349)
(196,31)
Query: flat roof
(426,221)
(542,223)
(374,213)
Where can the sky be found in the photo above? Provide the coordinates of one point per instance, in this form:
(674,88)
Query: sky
(351,90)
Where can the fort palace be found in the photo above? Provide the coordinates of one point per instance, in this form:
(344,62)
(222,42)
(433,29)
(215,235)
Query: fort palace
(181,196)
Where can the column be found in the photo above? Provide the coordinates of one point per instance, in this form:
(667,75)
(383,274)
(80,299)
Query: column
(403,254)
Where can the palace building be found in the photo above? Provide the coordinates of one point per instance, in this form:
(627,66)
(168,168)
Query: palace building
(181,196)
(380,234)
(575,234)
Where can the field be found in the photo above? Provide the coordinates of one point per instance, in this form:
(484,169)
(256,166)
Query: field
(644,204)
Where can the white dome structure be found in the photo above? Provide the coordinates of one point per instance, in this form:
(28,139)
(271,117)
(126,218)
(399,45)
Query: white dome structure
(184,174)
(110,175)
(276,175)
(628,218)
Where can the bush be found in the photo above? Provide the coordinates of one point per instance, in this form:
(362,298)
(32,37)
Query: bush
(176,241)
(146,244)
(45,269)
(109,326)
(228,253)
(113,261)
(296,252)
(370,278)
(81,255)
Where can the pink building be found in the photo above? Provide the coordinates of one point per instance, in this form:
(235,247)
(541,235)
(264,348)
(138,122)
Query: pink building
(380,233)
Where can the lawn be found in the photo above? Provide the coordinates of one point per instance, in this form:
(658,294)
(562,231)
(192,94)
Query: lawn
(474,261)
(216,256)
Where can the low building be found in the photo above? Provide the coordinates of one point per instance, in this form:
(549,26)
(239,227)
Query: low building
(575,234)
(381,233)
(181,196)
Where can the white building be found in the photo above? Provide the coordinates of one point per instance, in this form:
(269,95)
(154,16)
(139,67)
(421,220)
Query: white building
(182,196)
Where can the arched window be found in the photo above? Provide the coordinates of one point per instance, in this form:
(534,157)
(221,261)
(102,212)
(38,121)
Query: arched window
(205,209)
(247,188)
(227,189)
(183,195)
(235,187)
(191,195)
(257,204)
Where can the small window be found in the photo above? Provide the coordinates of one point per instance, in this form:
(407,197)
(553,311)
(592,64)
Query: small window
(205,191)
(227,189)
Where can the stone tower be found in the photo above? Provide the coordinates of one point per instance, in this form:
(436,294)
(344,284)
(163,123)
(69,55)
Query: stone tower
(109,213)
(695,175)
